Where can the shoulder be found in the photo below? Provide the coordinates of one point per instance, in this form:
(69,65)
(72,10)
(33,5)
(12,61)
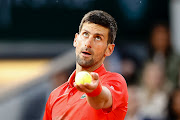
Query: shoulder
(113,76)
(114,80)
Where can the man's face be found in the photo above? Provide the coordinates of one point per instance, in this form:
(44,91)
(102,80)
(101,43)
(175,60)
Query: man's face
(91,45)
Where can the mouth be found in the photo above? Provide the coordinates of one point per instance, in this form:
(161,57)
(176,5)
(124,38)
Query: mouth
(86,53)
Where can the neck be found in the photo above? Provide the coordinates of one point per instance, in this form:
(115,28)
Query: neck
(88,69)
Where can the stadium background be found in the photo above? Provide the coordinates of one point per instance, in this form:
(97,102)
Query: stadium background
(36,36)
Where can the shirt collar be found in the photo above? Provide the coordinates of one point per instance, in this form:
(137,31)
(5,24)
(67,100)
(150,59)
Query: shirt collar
(101,70)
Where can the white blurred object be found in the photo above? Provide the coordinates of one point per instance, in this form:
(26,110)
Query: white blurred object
(175,24)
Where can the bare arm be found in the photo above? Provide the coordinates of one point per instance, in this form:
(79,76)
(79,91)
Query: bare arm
(103,100)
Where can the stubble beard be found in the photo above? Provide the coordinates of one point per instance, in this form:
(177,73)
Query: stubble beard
(84,63)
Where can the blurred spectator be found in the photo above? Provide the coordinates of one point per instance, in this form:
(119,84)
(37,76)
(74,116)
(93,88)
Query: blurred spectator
(133,104)
(174,105)
(152,92)
(129,70)
(161,52)
(112,63)
(124,63)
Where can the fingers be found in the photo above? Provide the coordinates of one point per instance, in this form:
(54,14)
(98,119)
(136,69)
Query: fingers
(87,88)
(94,75)
(92,86)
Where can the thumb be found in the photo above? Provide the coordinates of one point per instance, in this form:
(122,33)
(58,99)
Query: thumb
(94,75)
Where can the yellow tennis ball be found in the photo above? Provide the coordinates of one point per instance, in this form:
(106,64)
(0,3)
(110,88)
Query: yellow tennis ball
(83,77)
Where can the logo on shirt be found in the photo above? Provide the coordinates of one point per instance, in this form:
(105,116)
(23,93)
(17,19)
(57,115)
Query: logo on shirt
(83,96)
(112,87)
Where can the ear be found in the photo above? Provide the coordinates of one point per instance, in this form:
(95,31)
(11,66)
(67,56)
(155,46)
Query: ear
(75,40)
(110,49)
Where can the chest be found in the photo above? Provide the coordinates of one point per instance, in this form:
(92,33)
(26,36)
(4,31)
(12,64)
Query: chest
(72,104)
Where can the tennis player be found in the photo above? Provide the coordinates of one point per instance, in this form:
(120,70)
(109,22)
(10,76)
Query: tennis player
(105,98)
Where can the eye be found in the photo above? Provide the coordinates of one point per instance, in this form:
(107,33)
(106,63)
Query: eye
(85,34)
(98,38)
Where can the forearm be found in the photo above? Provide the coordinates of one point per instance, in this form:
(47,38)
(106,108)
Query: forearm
(103,100)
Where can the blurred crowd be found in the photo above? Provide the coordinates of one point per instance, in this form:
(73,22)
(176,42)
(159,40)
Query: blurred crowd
(153,80)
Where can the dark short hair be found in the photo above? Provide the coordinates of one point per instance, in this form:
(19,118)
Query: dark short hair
(101,18)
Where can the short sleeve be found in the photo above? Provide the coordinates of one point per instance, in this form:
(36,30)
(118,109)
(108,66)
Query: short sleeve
(118,87)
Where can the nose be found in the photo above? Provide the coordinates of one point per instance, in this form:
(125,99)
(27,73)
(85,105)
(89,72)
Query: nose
(88,42)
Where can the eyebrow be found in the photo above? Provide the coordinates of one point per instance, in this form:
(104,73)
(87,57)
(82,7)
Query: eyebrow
(95,33)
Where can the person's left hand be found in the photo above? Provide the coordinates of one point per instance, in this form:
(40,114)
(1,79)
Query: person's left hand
(89,87)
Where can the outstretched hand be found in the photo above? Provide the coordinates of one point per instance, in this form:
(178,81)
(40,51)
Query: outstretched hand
(89,87)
